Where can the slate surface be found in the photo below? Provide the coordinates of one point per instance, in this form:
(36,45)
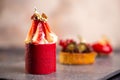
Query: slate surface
(12,68)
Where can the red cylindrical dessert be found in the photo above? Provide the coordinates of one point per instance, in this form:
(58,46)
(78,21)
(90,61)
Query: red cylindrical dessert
(40,59)
(40,56)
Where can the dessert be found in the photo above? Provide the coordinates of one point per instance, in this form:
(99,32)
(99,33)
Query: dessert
(73,53)
(40,57)
(102,47)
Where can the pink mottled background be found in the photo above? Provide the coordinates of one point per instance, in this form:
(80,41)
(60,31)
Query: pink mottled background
(67,18)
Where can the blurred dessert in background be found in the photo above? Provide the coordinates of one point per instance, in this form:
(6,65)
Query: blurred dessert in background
(76,53)
(103,46)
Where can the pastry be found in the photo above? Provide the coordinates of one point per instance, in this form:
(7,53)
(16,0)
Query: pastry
(103,47)
(40,56)
(73,53)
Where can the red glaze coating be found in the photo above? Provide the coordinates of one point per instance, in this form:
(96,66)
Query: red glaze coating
(40,58)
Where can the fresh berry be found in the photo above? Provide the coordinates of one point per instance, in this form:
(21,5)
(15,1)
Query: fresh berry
(63,43)
(32,31)
(38,34)
(71,46)
(47,31)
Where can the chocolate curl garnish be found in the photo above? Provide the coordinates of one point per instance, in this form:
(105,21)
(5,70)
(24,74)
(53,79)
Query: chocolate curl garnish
(37,16)
(44,17)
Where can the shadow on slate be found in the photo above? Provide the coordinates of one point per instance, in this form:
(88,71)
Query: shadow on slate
(113,76)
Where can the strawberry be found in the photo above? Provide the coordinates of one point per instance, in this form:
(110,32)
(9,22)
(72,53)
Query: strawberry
(38,34)
(47,27)
(47,31)
(32,31)
(62,43)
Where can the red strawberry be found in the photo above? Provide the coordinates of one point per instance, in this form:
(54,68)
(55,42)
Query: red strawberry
(47,26)
(47,31)
(63,43)
(38,34)
(32,31)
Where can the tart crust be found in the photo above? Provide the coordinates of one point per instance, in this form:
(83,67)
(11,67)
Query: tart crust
(77,58)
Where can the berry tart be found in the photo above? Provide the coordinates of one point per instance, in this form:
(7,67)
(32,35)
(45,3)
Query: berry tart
(76,53)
